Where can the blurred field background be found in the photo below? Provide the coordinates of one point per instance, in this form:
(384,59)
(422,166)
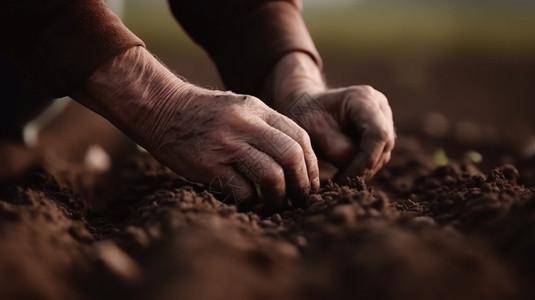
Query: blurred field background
(468,66)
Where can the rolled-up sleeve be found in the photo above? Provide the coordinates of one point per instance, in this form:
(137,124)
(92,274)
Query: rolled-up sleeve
(54,45)
(245,38)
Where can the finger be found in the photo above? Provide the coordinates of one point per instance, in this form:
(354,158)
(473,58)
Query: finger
(231,187)
(374,169)
(260,168)
(384,160)
(370,152)
(385,157)
(335,146)
(299,135)
(351,171)
(289,154)
(379,99)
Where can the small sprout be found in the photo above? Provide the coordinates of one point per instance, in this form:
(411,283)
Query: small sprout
(441,159)
(473,157)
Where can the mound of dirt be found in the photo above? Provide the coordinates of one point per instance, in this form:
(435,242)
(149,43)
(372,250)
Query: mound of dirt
(418,231)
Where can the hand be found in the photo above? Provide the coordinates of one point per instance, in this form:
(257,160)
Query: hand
(351,127)
(234,144)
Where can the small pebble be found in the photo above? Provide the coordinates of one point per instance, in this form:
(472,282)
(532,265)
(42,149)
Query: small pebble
(509,172)
(343,214)
(226,211)
(301,241)
(276,218)
(242,218)
(267,223)
(118,262)
(139,235)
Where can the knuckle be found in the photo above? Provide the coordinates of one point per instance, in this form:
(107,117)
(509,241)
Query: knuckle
(382,130)
(361,90)
(294,155)
(252,102)
(302,136)
(367,91)
(382,134)
(234,109)
(378,130)
(296,132)
(249,98)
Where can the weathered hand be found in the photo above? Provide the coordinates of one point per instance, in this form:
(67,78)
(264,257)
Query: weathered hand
(350,127)
(232,143)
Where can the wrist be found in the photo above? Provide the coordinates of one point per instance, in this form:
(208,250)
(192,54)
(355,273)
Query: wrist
(295,74)
(135,92)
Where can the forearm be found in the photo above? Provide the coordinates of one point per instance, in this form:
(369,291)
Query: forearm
(293,75)
(204,135)
(54,45)
(132,91)
(246,38)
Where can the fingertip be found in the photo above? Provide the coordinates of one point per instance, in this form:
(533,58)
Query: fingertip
(314,176)
(315,184)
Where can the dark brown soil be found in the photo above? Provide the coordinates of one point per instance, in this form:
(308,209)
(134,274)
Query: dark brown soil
(417,231)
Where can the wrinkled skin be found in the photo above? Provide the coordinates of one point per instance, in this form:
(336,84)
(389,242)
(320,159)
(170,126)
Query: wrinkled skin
(354,132)
(350,127)
(234,144)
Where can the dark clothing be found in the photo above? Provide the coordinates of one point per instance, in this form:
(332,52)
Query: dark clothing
(49,48)
(56,44)
(245,37)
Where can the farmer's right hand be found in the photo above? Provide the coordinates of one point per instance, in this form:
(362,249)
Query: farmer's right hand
(229,142)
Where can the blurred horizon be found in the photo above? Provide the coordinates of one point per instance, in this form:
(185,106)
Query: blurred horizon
(374,28)
(473,60)
(390,3)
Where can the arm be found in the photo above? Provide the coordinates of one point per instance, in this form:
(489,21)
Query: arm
(48,48)
(351,127)
(262,47)
(245,38)
(231,143)
(56,44)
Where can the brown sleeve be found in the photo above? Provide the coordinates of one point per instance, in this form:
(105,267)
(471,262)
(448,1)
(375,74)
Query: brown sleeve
(245,38)
(56,44)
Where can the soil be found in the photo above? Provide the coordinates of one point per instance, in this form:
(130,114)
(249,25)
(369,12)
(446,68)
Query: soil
(418,230)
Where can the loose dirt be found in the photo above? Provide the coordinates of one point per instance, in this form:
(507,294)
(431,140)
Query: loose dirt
(418,230)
